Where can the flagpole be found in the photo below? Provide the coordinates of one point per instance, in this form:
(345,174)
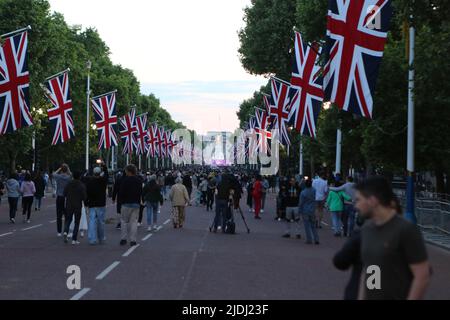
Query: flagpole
(58,74)
(339,149)
(88,92)
(300,171)
(13,33)
(410,201)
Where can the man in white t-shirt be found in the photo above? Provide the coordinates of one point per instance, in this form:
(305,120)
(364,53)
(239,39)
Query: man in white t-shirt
(321,186)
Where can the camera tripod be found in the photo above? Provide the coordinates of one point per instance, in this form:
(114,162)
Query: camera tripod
(232,208)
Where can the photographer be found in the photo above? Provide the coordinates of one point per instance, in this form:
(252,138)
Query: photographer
(223,193)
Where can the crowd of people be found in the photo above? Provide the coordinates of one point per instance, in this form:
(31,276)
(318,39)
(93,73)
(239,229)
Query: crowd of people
(368,213)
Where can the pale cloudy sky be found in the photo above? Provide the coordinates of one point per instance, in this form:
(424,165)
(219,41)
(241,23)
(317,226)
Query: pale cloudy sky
(183,51)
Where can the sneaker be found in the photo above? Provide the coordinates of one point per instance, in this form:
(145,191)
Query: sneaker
(70,235)
(75,243)
(317,242)
(139,224)
(82,234)
(123,242)
(65,238)
(150,229)
(298,236)
(59,235)
(287,235)
(35,209)
(262,210)
(118,227)
(133,243)
(12,220)
(155,228)
(28,221)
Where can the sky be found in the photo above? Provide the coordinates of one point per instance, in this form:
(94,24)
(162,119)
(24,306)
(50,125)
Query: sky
(185,52)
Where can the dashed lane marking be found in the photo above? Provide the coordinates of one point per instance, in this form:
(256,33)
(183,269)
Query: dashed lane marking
(80,294)
(167,221)
(147,237)
(6,234)
(105,272)
(33,227)
(126,254)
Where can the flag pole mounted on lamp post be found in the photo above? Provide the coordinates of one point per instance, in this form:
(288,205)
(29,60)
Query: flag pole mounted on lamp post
(410,214)
(88,92)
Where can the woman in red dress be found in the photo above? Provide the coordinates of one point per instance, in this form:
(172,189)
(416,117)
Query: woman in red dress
(257,196)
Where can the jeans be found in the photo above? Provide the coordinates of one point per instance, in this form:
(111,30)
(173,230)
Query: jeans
(12,207)
(209,200)
(336,220)
(60,212)
(292,217)
(152,213)
(309,221)
(348,219)
(221,211)
(38,202)
(96,230)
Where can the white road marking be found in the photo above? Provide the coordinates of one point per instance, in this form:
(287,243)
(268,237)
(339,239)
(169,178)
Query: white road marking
(105,272)
(159,228)
(53,221)
(126,254)
(33,227)
(325,224)
(167,221)
(80,294)
(5,234)
(147,237)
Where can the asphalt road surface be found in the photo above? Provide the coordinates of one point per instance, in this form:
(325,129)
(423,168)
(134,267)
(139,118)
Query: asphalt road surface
(191,263)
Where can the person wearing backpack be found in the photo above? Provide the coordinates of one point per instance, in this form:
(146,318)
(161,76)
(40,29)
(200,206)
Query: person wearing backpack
(335,203)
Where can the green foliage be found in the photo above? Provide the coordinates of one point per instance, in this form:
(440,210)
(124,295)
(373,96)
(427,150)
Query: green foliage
(53,47)
(381,142)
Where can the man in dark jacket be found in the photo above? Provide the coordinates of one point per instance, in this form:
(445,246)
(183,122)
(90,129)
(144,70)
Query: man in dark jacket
(96,186)
(187,182)
(115,193)
(75,194)
(130,196)
(292,212)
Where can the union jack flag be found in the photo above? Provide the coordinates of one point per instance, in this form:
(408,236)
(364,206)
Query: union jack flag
(263,131)
(252,138)
(162,143)
(128,131)
(152,141)
(142,134)
(308,83)
(60,116)
(14,84)
(281,94)
(105,114)
(355,47)
(170,143)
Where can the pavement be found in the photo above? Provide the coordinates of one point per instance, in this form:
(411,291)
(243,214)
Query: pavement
(179,264)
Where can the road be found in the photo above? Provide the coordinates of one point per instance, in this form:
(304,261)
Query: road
(187,264)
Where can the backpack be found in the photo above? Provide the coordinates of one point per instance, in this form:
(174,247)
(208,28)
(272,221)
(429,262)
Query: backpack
(230,227)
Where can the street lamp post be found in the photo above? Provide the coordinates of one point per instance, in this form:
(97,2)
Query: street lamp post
(88,92)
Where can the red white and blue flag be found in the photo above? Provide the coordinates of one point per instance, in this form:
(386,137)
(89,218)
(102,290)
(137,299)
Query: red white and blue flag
(170,143)
(162,143)
(356,35)
(308,83)
(263,131)
(152,141)
(60,116)
(128,131)
(280,110)
(105,114)
(141,135)
(14,84)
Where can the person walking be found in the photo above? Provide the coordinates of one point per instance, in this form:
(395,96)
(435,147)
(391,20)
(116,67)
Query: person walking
(75,195)
(27,189)
(115,198)
(335,203)
(349,214)
(153,198)
(96,186)
(307,209)
(130,196)
(39,183)
(180,199)
(292,211)
(62,177)
(210,194)
(392,244)
(320,184)
(13,190)
(203,186)
(281,203)
(187,182)
(257,196)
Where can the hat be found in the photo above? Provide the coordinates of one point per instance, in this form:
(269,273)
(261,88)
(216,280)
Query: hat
(97,171)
